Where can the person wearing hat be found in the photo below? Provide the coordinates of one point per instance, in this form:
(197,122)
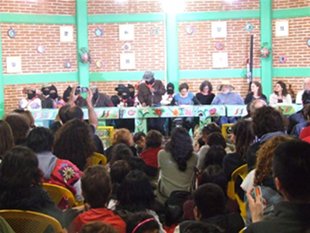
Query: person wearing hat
(227,97)
(150,94)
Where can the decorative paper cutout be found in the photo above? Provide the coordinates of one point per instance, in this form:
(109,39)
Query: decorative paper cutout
(190,30)
(127,61)
(126,32)
(67,64)
(40,49)
(14,64)
(66,34)
(219,29)
(11,33)
(282,59)
(249,27)
(99,32)
(220,60)
(219,45)
(126,46)
(282,28)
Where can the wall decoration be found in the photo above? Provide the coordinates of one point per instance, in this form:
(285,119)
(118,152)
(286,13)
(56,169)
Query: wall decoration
(282,28)
(40,49)
(98,63)
(265,50)
(219,29)
(249,27)
(99,32)
(190,30)
(282,59)
(11,33)
(67,64)
(14,64)
(127,61)
(154,31)
(126,46)
(66,34)
(308,42)
(219,60)
(126,32)
(219,45)
(84,55)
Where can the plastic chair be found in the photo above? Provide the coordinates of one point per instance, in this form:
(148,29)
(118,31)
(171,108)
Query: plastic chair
(25,221)
(240,172)
(242,230)
(226,130)
(60,195)
(97,159)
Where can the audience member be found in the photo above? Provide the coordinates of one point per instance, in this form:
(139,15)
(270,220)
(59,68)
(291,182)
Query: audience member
(6,138)
(290,166)
(97,227)
(19,126)
(55,171)
(28,115)
(142,222)
(120,151)
(139,140)
(96,186)
(280,94)
(176,162)
(306,89)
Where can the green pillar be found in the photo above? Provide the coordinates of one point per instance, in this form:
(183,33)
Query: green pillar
(1,81)
(266,40)
(172,49)
(82,40)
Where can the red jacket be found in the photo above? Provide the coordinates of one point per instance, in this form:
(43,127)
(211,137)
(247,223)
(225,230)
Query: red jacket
(149,156)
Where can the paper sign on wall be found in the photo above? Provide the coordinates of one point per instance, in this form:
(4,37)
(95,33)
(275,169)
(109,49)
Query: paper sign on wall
(219,60)
(126,32)
(14,64)
(282,28)
(127,61)
(66,34)
(219,29)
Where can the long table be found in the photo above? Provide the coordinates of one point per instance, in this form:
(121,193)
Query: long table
(141,114)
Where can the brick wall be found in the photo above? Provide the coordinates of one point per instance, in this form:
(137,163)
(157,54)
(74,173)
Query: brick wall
(278,4)
(215,5)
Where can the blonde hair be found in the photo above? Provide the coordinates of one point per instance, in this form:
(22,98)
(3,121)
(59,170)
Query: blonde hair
(264,157)
(122,136)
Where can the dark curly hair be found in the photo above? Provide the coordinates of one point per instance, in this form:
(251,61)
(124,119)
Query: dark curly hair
(6,137)
(141,222)
(216,138)
(204,84)
(74,142)
(135,193)
(183,86)
(153,139)
(283,86)
(19,169)
(266,120)
(180,146)
(244,136)
(40,139)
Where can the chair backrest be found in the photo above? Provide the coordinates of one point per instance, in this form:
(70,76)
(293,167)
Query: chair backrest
(61,196)
(25,221)
(241,172)
(97,159)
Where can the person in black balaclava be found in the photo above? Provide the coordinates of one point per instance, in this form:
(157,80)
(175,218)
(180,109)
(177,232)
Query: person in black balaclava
(100,99)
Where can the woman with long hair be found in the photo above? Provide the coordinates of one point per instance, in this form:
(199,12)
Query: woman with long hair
(6,138)
(177,163)
(255,93)
(280,94)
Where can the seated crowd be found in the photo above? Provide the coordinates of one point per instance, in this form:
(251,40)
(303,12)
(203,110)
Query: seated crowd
(147,183)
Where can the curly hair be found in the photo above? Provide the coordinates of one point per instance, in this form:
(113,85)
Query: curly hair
(74,142)
(180,146)
(183,86)
(19,169)
(244,136)
(122,136)
(266,120)
(284,89)
(204,84)
(6,137)
(264,158)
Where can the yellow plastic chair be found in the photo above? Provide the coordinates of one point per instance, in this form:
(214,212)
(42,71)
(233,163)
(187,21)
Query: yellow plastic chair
(97,159)
(25,221)
(242,230)
(241,172)
(105,133)
(60,195)
(226,130)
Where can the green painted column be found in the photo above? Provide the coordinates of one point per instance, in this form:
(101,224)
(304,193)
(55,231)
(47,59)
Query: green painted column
(1,81)
(172,49)
(82,40)
(266,40)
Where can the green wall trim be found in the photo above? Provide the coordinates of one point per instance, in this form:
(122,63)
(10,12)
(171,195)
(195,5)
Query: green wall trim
(125,18)
(291,13)
(1,81)
(218,15)
(291,72)
(82,40)
(266,41)
(217,73)
(122,76)
(10,79)
(36,18)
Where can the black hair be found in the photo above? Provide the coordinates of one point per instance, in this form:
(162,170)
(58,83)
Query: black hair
(118,172)
(266,120)
(216,138)
(200,227)
(244,136)
(120,151)
(180,146)
(214,156)
(40,139)
(204,84)
(138,136)
(96,186)
(210,200)
(291,165)
(183,86)
(141,222)
(284,88)
(135,193)
(210,128)
(214,174)
(153,139)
